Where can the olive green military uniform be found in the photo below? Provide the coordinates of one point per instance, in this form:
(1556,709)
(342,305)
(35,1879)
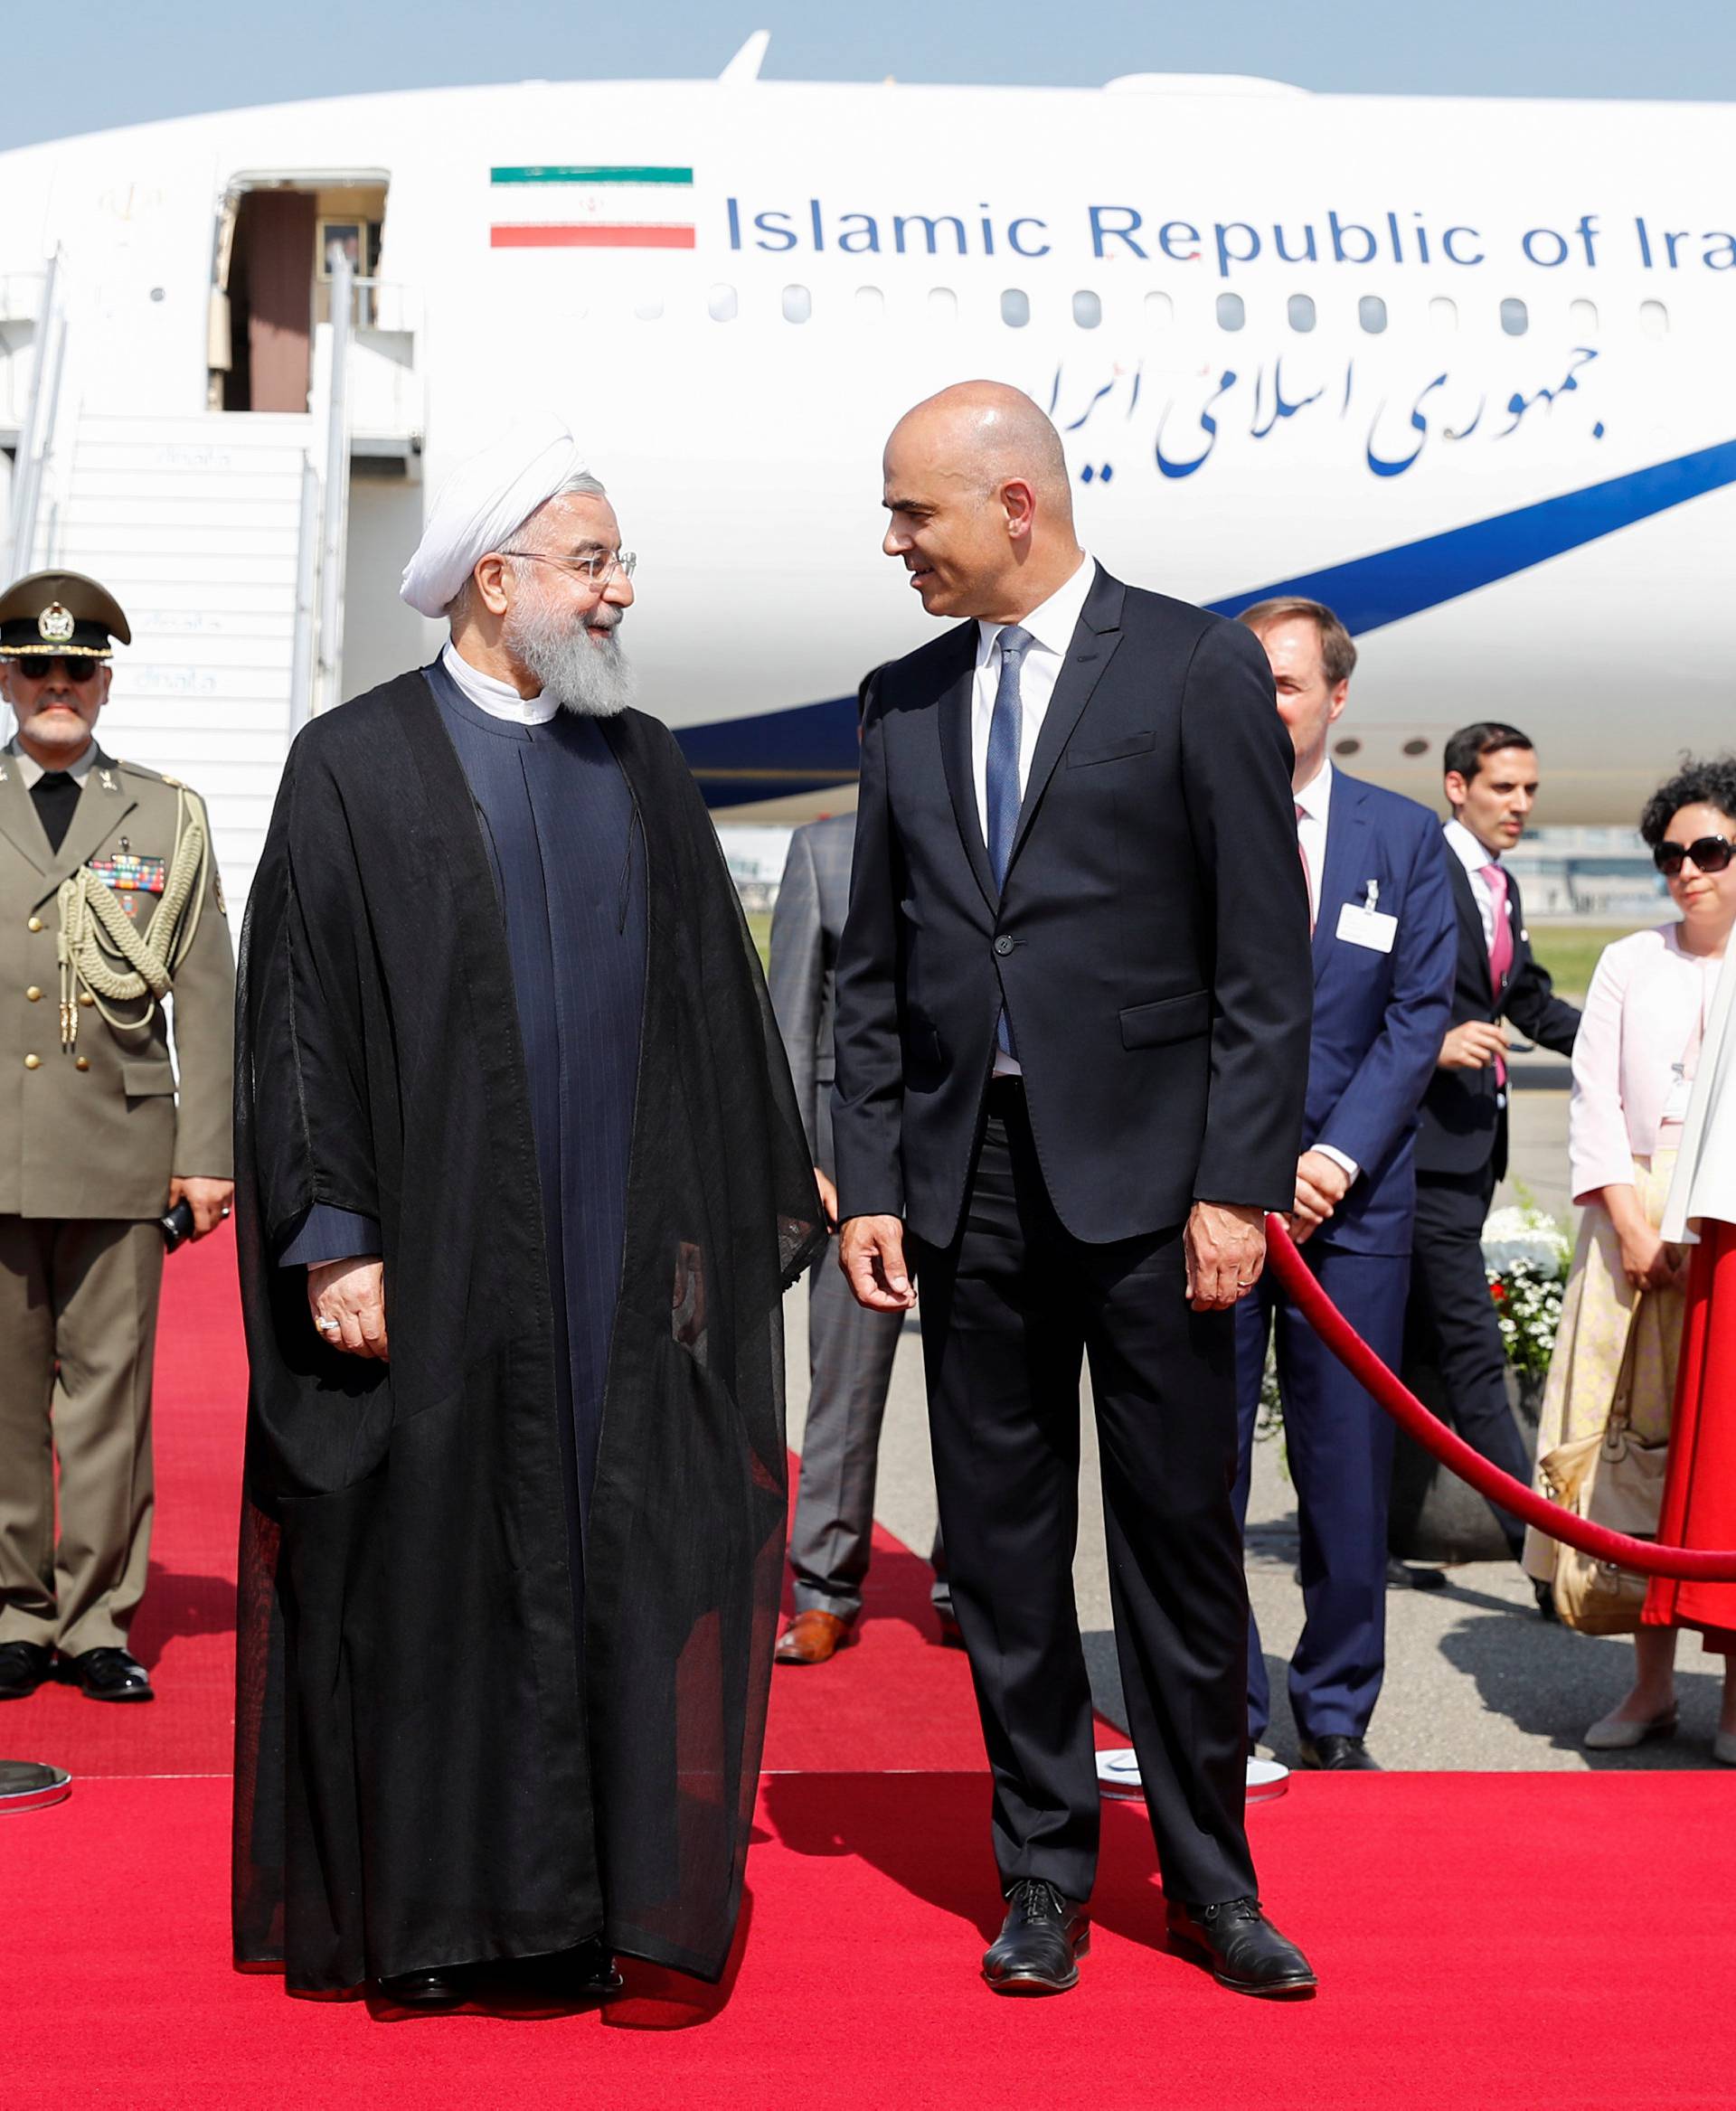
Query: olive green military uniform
(93,1127)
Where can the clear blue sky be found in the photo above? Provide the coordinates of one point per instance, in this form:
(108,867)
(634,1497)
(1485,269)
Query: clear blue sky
(103,63)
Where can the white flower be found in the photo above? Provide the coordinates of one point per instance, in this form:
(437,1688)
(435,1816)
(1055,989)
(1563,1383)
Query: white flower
(1531,1237)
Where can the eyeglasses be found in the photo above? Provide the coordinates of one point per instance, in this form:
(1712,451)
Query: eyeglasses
(39,667)
(1711,854)
(595,571)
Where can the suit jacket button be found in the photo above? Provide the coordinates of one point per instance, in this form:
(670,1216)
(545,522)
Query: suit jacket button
(1003,945)
(33,994)
(36,924)
(82,1063)
(33,1063)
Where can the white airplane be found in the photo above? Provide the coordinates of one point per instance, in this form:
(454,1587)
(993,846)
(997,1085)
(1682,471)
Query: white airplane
(1459,368)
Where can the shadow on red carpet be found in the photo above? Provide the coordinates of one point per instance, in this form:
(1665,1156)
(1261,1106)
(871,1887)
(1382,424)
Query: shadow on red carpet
(1485,1942)
(1450,1918)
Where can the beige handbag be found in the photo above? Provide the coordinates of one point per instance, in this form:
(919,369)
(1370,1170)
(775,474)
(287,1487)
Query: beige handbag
(1615,1480)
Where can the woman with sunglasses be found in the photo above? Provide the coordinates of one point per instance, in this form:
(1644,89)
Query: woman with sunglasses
(1634,1066)
(1700,1491)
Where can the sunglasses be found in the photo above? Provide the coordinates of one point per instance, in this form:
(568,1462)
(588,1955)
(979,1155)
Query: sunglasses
(39,667)
(1711,854)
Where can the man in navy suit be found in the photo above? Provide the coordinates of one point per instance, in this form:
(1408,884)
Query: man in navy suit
(1491,786)
(1381,903)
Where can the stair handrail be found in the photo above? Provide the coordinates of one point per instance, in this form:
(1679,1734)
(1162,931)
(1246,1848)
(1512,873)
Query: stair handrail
(42,413)
(336,503)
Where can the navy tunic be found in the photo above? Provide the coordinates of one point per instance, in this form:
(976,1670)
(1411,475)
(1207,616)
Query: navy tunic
(568,855)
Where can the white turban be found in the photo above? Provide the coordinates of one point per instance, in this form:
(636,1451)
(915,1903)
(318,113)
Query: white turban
(483,502)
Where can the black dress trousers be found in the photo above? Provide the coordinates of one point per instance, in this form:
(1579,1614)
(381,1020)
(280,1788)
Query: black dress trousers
(1451,1325)
(1008,1311)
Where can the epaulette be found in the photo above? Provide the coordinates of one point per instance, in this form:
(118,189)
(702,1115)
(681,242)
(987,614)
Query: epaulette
(156,777)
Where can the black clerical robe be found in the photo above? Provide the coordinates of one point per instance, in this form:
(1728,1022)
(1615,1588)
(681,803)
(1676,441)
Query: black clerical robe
(434,1765)
(563,844)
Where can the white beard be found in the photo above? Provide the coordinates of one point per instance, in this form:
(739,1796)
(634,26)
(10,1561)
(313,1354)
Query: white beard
(588,679)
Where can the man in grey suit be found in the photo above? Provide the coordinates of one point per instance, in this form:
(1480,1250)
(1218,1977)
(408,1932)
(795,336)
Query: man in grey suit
(850,1349)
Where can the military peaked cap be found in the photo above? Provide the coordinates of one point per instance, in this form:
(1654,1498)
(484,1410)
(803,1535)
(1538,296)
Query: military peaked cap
(59,612)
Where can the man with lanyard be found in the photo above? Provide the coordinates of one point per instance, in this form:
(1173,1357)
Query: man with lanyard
(109,906)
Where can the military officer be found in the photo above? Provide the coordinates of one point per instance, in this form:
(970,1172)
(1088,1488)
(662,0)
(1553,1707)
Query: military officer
(111,918)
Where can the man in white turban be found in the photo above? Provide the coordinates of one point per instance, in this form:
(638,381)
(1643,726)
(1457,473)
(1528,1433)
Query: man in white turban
(521,1182)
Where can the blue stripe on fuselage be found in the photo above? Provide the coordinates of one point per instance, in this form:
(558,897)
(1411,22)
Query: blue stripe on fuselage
(813,746)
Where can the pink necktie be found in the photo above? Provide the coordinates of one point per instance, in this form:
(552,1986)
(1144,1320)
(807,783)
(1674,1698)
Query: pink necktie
(1500,948)
(1307,877)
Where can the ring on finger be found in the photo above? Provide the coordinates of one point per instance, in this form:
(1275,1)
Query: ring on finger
(328,1327)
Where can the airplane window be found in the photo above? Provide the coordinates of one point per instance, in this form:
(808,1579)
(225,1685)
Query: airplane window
(1160,310)
(1088,310)
(650,309)
(1514,319)
(1416,747)
(1015,309)
(799,304)
(1371,313)
(1443,313)
(1583,316)
(1653,318)
(943,304)
(871,303)
(722,303)
(1301,311)
(1349,745)
(1231,313)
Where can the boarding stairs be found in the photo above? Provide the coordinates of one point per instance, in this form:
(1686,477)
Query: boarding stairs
(197,525)
(222,535)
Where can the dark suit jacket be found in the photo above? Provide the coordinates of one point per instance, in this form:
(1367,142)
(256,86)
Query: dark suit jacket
(1378,1017)
(805,928)
(1464,1112)
(1151,946)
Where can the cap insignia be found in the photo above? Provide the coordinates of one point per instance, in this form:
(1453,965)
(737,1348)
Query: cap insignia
(55,625)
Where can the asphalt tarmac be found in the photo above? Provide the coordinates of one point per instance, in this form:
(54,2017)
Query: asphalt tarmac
(1475,1678)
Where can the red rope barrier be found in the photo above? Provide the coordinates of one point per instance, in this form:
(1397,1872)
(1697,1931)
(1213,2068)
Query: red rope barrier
(1643,1557)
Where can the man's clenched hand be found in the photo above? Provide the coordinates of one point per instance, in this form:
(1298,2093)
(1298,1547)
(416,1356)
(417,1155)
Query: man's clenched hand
(871,1252)
(1226,1250)
(352,1294)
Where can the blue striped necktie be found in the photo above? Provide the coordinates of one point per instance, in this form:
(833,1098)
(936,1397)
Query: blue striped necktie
(1002,773)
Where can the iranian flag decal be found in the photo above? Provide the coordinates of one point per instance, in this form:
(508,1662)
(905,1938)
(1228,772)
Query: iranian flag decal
(593,206)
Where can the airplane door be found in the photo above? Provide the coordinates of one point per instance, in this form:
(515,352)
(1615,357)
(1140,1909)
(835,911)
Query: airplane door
(271,284)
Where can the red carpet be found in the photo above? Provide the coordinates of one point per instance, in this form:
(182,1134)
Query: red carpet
(1484,1941)
(185,1632)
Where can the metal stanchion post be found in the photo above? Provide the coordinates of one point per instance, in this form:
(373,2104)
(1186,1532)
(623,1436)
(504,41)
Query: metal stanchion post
(28,1785)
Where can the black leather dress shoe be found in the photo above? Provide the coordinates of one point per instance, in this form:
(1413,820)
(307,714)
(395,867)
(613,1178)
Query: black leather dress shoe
(1336,1755)
(586,1973)
(1245,1951)
(1544,1592)
(24,1665)
(1041,1942)
(1401,1576)
(423,1989)
(107,1674)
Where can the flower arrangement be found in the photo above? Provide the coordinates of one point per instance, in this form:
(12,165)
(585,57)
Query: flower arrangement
(1525,1255)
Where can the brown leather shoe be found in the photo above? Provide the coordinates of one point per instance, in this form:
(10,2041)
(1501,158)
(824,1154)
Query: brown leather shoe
(812,1638)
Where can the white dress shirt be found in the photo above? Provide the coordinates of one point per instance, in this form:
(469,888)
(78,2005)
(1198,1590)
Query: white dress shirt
(32,773)
(1315,802)
(1051,628)
(500,700)
(1314,816)
(1474,855)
